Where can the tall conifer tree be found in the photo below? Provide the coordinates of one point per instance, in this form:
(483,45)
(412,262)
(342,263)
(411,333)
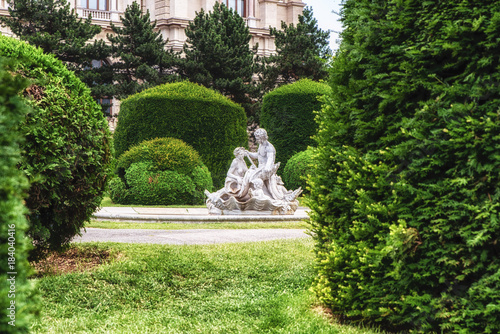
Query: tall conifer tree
(301,52)
(142,61)
(218,55)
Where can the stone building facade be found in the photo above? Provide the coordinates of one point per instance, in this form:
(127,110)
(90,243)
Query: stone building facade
(173,16)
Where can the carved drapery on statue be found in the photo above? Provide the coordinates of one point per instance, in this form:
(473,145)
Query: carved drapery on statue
(254,190)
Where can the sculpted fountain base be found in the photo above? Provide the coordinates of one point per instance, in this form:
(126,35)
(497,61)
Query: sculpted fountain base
(256,190)
(224,203)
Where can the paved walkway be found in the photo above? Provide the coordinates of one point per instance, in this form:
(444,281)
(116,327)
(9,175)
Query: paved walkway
(190,236)
(188,215)
(187,237)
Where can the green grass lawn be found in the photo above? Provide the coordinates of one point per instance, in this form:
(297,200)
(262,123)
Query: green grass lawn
(224,288)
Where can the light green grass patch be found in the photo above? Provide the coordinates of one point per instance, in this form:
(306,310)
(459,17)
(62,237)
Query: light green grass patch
(211,226)
(223,288)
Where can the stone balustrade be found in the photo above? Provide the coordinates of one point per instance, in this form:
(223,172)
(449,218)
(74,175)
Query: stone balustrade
(101,15)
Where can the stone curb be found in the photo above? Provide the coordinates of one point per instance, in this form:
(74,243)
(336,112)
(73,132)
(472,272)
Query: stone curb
(197,219)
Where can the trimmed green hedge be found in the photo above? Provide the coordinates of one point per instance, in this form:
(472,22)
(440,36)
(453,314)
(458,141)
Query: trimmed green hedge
(67,149)
(162,171)
(288,116)
(298,167)
(203,118)
(405,194)
(16,305)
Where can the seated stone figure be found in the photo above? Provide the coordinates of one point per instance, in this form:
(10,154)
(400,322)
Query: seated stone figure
(255,190)
(236,172)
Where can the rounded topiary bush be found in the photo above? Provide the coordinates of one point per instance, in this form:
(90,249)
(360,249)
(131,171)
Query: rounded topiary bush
(298,167)
(67,149)
(162,171)
(203,118)
(288,116)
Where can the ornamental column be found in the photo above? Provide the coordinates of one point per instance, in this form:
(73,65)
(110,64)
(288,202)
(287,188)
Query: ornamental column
(113,8)
(251,19)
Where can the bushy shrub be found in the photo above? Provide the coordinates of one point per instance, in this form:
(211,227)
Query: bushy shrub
(204,119)
(298,167)
(406,186)
(288,116)
(163,153)
(15,309)
(162,171)
(118,191)
(67,149)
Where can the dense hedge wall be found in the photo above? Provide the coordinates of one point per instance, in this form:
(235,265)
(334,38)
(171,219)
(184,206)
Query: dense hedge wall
(15,309)
(288,116)
(406,189)
(201,117)
(162,171)
(67,149)
(298,167)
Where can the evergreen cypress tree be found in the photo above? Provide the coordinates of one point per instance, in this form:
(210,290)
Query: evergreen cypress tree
(17,303)
(142,61)
(405,193)
(53,26)
(218,55)
(301,52)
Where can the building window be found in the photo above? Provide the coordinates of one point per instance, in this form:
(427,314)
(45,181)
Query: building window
(106,105)
(95,4)
(99,63)
(238,6)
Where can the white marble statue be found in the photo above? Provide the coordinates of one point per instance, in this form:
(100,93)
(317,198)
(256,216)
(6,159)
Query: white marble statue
(254,190)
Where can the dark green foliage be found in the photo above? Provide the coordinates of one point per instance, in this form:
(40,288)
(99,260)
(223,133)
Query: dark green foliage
(218,55)
(204,119)
(406,187)
(67,149)
(51,25)
(161,171)
(97,73)
(301,52)
(118,191)
(141,61)
(297,169)
(57,29)
(288,116)
(16,313)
